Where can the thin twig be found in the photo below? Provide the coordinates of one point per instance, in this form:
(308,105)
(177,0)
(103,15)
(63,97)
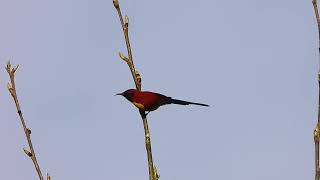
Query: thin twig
(12,89)
(153,175)
(125,28)
(316,133)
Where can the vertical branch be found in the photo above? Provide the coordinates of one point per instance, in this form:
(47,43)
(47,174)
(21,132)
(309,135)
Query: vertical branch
(316,133)
(129,61)
(12,89)
(153,175)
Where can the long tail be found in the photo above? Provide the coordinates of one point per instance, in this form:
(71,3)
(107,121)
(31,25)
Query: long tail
(181,102)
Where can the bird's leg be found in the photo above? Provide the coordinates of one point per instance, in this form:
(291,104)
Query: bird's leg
(143,114)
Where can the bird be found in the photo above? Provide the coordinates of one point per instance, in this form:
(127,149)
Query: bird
(148,101)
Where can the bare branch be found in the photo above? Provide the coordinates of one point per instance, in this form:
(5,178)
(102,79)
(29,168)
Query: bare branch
(12,89)
(316,130)
(125,27)
(153,174)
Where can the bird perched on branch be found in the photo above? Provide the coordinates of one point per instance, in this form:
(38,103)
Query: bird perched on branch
(150,101)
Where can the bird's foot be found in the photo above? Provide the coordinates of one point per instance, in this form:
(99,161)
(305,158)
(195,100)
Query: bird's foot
(143,114)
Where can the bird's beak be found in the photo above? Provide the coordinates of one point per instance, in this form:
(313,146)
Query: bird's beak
(119,94)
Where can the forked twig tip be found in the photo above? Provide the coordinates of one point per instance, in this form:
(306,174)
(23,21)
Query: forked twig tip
(8,67)
(15,68)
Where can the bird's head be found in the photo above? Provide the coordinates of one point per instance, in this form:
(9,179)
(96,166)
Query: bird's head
(128,94)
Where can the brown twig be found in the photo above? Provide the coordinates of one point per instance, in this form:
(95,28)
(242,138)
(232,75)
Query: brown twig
(12,89)
(129,61)
(153,175)
(316,133)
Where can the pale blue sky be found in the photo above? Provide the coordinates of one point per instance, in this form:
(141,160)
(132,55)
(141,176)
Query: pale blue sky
(255,62)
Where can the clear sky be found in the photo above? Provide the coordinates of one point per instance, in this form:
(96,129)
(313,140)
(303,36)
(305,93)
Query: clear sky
(254,62)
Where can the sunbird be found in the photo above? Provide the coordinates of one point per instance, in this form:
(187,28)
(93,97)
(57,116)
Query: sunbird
(149,101)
